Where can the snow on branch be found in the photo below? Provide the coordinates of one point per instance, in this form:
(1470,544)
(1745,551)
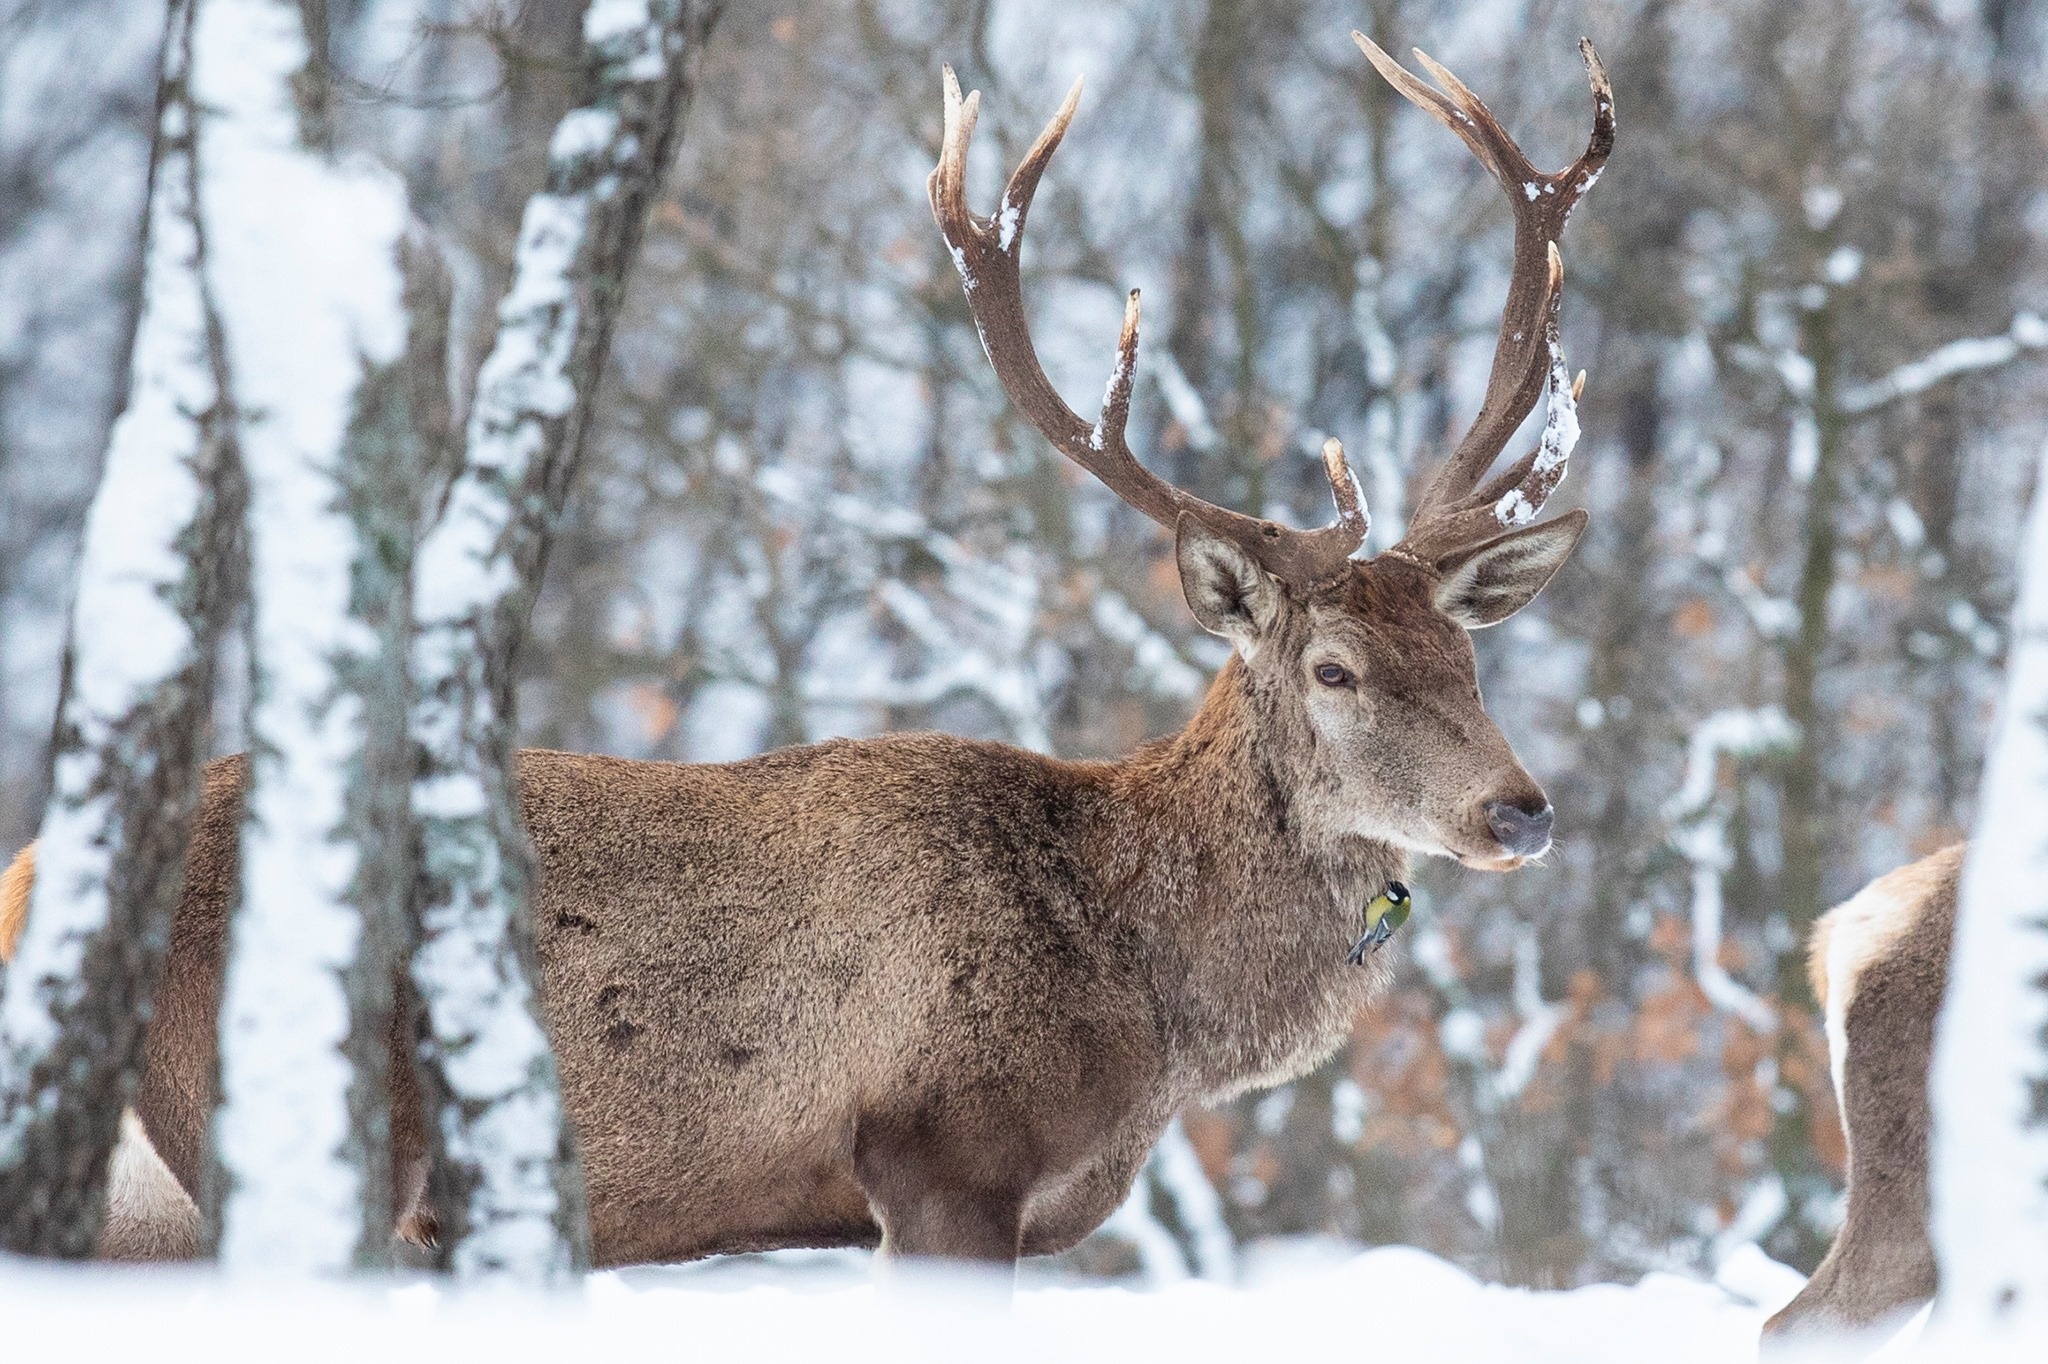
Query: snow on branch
(1000,680)
(1380,451)
(999,664)
(1157,668)
(1699,831)
(1159,1256)
(1773,617)
(1462,1034)
(1990,1143)
(2028,333)
(1540,1018)
(1183,402)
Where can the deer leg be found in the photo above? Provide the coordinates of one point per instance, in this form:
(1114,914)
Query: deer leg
(149,1215)
(1881,1266)
(418,1226)
(943,1190)
(983,1226)
(418,1230)
(1870,1282)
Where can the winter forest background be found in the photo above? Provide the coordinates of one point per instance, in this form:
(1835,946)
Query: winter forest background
(1808,295)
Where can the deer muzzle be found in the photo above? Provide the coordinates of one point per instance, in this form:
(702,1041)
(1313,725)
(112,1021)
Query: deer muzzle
(1522,830)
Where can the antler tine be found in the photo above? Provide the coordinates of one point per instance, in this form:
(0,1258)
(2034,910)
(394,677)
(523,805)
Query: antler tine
(1523,364)
(1116,398)
(947,185)
(1353,515)
(1023,186)
(1413,90)
(987,252)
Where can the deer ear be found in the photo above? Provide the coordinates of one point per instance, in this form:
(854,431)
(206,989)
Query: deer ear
(1488,583)
(1226,589)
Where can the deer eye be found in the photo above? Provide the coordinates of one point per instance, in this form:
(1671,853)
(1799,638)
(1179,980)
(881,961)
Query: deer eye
(1333,675)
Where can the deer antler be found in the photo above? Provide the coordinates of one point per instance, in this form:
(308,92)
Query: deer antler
(1528,358)
(987,251)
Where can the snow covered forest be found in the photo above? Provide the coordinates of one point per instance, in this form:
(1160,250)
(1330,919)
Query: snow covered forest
(1811,295)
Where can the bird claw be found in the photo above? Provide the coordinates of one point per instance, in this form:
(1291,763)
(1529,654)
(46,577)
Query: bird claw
(1375,938)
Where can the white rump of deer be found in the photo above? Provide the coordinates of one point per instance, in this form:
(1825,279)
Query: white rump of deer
(943,995)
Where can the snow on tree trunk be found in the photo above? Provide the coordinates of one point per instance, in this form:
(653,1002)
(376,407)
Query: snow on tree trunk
(508,1185)
(159,564)
(1990,1081)
(306,266)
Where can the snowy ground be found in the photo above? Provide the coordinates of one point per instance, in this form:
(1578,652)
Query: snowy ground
(1296,1300)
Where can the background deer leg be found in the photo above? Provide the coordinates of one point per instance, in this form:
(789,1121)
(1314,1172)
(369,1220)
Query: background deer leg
(417,1223)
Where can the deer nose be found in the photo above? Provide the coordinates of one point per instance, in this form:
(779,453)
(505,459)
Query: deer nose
(1522,832)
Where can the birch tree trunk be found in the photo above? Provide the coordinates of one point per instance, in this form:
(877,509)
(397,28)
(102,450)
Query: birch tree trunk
(1990,1081)
(159,569)
(508,1184)
(335,399)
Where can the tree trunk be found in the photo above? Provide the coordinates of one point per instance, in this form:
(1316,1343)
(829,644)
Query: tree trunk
(329,378)
(1990,1082)
(1802,893)
(160,565)
(508,1186)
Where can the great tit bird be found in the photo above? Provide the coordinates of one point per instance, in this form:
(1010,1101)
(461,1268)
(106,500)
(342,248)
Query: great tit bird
(1387,912)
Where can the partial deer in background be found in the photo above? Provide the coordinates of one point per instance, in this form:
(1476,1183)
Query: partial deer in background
(1879,966)
(945,995)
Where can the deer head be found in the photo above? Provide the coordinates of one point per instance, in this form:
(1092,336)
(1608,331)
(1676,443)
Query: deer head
(1359,670)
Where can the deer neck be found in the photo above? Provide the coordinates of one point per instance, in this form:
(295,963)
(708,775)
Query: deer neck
(1247,910)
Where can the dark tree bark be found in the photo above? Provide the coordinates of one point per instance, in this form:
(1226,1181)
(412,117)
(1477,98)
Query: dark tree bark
(398,448)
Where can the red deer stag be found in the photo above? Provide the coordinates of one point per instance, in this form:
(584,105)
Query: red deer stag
(1879,966)
(944,995)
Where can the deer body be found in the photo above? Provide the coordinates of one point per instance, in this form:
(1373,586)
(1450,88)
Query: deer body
(1879,966)
(868,970)
(776,986)
(942,995)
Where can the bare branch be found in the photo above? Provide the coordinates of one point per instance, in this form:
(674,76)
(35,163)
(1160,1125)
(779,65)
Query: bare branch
(2028,333)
